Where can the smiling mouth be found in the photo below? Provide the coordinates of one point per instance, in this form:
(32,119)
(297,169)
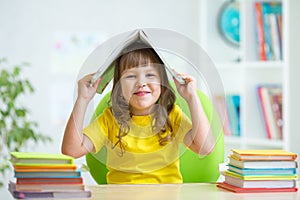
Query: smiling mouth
(141,93)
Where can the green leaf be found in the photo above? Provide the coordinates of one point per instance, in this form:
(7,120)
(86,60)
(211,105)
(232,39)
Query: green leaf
(29,86)
(16,71)
(21,112)
(2,124)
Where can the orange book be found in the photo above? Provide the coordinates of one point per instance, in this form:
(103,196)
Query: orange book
(270,154)
(59,168)
(260,31)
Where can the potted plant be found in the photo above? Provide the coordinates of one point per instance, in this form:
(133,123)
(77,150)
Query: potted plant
(16,129)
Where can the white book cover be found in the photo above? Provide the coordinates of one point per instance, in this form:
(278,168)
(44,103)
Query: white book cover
(106,70)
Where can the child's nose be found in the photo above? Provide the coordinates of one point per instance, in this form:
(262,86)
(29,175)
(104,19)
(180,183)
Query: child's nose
(141,82)
(140,85)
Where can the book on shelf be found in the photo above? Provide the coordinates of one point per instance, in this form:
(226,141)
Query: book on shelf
(276,102)
(233,106)
(267,33)
(260,31)
(279,21)
(255,171)
(222,110)
(38,159)
(228,108)
(86,193)
(270,102)
(254,189)
(263,154)
(106,70)
(275,36)
(269,30)
(260,164)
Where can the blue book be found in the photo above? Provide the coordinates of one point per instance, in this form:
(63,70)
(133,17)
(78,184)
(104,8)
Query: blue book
(233,106)
(269,8)
(49,174)
(255,171)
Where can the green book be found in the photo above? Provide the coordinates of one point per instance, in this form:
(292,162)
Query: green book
(36,158)
(261,176)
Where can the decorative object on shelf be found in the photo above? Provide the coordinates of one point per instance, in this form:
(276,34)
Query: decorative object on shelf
(229,22)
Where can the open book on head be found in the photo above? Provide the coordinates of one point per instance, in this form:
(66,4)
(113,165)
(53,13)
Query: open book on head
(106,71)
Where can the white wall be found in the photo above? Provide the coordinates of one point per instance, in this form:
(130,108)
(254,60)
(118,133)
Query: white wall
(293,95)
(27,33)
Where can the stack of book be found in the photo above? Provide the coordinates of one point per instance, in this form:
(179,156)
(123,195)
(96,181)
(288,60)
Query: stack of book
(261,171)
(43,175)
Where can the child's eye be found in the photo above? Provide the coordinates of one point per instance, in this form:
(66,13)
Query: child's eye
(150,75)
(130,76)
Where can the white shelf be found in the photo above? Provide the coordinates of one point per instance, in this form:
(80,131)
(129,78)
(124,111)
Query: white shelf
(243,77)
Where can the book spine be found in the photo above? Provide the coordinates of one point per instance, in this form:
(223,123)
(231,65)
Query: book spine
(279,25)
(233,113)
(267,32)
(262,101)
(260,31)
(276,101)
(223,113)
(270,99)
(275,36)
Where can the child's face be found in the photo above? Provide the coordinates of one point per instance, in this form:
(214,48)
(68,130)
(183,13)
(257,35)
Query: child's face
(141,88)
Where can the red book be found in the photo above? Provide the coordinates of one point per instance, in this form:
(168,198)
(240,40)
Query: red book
(270,99)
(232,188)
(262,92)
(260,31)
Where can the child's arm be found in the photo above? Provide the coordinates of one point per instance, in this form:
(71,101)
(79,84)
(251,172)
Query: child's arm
(200,138)
(75,143)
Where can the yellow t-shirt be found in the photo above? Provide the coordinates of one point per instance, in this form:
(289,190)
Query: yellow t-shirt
(144,160)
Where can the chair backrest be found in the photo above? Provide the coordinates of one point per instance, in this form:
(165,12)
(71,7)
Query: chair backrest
(193,167)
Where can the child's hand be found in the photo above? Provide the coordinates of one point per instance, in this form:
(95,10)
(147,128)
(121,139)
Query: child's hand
(87,90)
(188,89)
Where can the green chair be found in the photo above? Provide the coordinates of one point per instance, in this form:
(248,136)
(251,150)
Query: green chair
(193,167)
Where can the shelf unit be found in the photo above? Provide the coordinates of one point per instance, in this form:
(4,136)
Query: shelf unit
(244,75)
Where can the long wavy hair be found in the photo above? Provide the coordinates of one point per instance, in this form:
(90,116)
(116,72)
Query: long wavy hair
(161,125)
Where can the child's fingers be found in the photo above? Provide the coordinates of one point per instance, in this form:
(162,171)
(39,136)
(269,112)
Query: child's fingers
(97,83)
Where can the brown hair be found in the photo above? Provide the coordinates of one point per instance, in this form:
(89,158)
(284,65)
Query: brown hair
(160,121)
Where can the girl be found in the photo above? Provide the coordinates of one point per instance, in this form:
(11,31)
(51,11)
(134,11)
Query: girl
(142,128)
